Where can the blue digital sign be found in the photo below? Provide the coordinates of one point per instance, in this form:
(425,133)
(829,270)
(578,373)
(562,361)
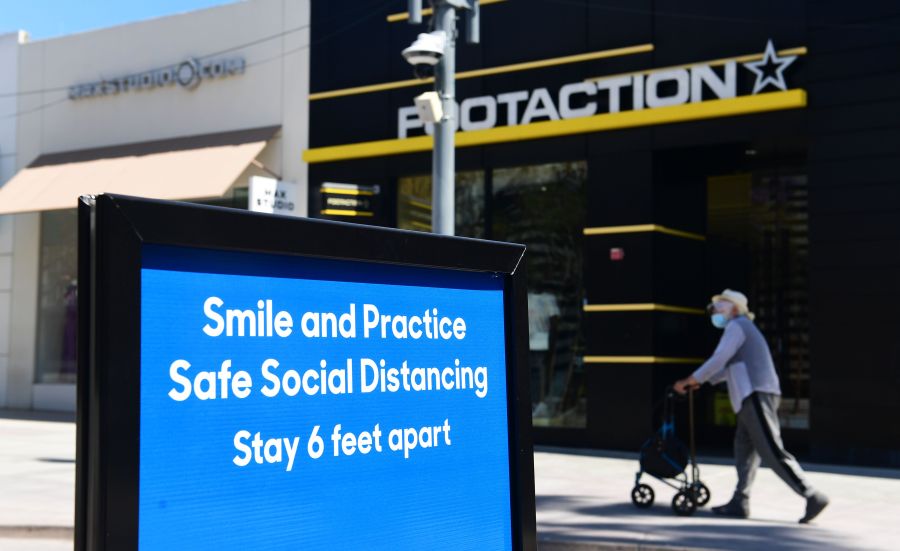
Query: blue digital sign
(298,403)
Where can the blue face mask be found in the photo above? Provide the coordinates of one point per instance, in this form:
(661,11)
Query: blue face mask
(719,321)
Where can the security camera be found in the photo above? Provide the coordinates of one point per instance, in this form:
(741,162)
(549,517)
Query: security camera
(425,52)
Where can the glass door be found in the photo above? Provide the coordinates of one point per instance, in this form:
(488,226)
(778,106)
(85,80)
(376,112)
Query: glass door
(758,236)
(543,206)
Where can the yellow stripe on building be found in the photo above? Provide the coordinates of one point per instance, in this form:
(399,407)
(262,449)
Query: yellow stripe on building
(419,204)
(640,360)
(801,50)
(343,191)
(742,105)
(342,212)
(640,228)
(643,307)
(462,75)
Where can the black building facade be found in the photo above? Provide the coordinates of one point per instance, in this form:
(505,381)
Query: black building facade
(650,154)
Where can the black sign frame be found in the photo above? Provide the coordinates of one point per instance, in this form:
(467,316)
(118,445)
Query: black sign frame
(112,231)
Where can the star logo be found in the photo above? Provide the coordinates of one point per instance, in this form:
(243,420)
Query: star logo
(770,69)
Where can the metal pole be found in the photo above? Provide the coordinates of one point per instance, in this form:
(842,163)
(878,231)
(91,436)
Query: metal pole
(443,166)
(695,473)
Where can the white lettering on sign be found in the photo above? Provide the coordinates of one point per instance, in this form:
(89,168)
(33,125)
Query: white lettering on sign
(268,451)
(566,111)
(188,74)
(583,99)
(262,322)
(488,117)
(403,327)
(204,385)
(272,196)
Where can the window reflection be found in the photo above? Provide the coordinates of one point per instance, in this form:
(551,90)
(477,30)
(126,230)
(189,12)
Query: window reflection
(414,203)
(758,241)
(58,293)
(58,313)
(543,206)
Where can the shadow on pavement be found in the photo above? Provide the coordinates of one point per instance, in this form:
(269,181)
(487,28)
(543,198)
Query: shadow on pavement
(29,415)
(37,532)
(727,460)
(622,523)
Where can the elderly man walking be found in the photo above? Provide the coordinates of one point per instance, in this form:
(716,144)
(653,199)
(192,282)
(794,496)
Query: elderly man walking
(743,361)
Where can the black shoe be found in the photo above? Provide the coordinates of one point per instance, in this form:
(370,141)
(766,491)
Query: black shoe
(732,509)
(814,505)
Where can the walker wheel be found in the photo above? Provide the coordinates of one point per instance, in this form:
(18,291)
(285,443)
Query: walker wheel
(700,493)
(683,504)
(642,496)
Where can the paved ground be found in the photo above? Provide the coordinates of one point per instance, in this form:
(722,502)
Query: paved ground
(37,482)
(581,497)
(586,497)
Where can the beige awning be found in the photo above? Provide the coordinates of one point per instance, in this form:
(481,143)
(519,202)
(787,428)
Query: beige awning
(184,168)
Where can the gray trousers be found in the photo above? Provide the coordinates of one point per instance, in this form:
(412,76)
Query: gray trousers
(758,437)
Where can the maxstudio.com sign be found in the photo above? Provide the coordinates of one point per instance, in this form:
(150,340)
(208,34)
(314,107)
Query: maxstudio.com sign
(187,74)
(637,91)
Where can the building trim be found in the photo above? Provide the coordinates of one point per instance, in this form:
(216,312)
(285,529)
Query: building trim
(640,360)
(641,228)
(800,50)
(138,149)
(643,307)
(343,191)
(343,212)
(742,105)
(501,69)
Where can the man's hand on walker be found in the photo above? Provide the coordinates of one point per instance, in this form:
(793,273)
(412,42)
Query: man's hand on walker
(684,385)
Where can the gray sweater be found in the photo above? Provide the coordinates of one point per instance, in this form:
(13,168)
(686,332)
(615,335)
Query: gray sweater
(741,359)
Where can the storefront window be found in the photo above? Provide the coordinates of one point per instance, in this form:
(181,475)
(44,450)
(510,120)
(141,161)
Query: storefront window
(58,293)
(543,206)
(414,203)
(57,302)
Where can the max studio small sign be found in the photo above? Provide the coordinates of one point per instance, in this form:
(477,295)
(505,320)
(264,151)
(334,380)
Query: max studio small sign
(188,74)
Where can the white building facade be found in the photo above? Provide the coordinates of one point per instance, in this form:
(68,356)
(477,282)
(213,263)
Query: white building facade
(183,107)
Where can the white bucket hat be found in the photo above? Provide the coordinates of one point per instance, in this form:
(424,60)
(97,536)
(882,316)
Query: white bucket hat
(737,298)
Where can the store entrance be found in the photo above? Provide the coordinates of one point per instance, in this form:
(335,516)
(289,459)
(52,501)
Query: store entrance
(757,242)
(750,204)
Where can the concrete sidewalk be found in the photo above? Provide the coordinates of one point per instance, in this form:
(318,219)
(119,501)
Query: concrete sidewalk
(37,481)
(583,501)
(585,497)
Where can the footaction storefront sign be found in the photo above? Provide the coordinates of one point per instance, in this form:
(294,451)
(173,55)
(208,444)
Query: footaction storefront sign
(702,90)
(283,400)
